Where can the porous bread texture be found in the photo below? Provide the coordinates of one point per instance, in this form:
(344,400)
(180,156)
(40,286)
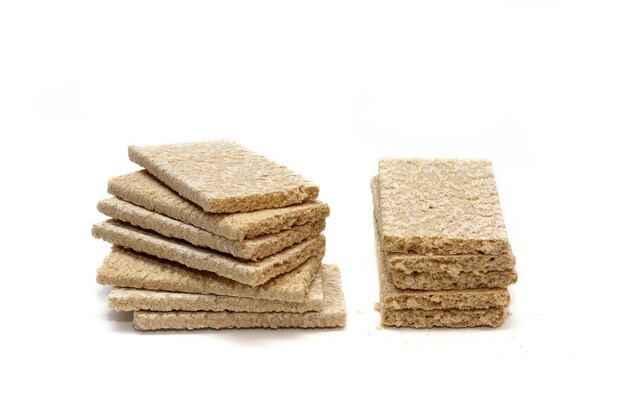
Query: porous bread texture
(450,264)
(142,189)
(223,176)
(333,314)
(132,299)
(246,272)
(462,281)
(126,268)
(440,207)
(421,319)
(249,249)
(394,298)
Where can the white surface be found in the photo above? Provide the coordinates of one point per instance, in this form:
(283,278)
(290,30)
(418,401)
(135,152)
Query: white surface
(327,88)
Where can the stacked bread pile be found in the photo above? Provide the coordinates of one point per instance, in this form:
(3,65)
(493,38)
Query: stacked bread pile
(212,235)
(444,254)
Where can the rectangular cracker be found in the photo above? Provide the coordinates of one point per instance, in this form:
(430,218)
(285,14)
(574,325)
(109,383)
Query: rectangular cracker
(223,176)
(440,207)
(333,314)
(450,264)
(393,298)
(250,249)
(422,319)
(132,299)
(142,189)
(435,280)
(126,268)
(246,272)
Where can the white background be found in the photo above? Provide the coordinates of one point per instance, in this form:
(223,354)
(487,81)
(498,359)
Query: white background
(326,88)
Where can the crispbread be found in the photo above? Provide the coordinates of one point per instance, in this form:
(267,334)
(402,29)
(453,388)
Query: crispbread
(223,176)
(393,298)
(450,264)
(445,281)
(132,299)
(142,189)
(420,319)
(440,207)
(126,268)
(332,315)
(250,249)
(437,280)
(246,272)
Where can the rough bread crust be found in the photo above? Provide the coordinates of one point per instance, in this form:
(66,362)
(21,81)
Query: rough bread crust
(441,206)
(127,268)
(223,176)
(142,189)
(333,314)
(246,272)
(249,249)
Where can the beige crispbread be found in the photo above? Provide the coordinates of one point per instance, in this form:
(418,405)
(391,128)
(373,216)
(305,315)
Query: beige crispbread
(246,272)
(332,315)
(450,264)
(445,207)
(421,319)
(445,281)
(396,299)
(126,268)
(132,299)
(142,189)
(223,176)
(437,280)
(250,249)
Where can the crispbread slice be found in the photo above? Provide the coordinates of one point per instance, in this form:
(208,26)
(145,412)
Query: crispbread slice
(393,298)
(223,176)
(462,281)
(437,280)
(421,319)
(332,315)
(249,273)
(450,264)
(440,207)
(250,249)
(142,189)
(126,268)
(132,299)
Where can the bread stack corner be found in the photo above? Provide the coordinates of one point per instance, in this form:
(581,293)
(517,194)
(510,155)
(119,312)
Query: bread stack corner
(213,235)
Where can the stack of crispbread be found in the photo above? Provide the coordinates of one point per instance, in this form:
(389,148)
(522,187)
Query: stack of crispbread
(443,251)
(212,235)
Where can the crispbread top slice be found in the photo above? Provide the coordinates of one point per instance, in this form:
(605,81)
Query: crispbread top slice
(246,272)
(333,313)
(223,176)
(142,189)
(127,268)
(440,206)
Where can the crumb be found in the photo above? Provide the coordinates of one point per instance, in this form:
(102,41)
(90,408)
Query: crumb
(377,306)
(359,311)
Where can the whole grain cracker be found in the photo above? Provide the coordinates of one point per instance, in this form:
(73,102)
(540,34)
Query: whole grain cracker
(142,189)
(332,315)
(249,249)
(246,272)
(223,176)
